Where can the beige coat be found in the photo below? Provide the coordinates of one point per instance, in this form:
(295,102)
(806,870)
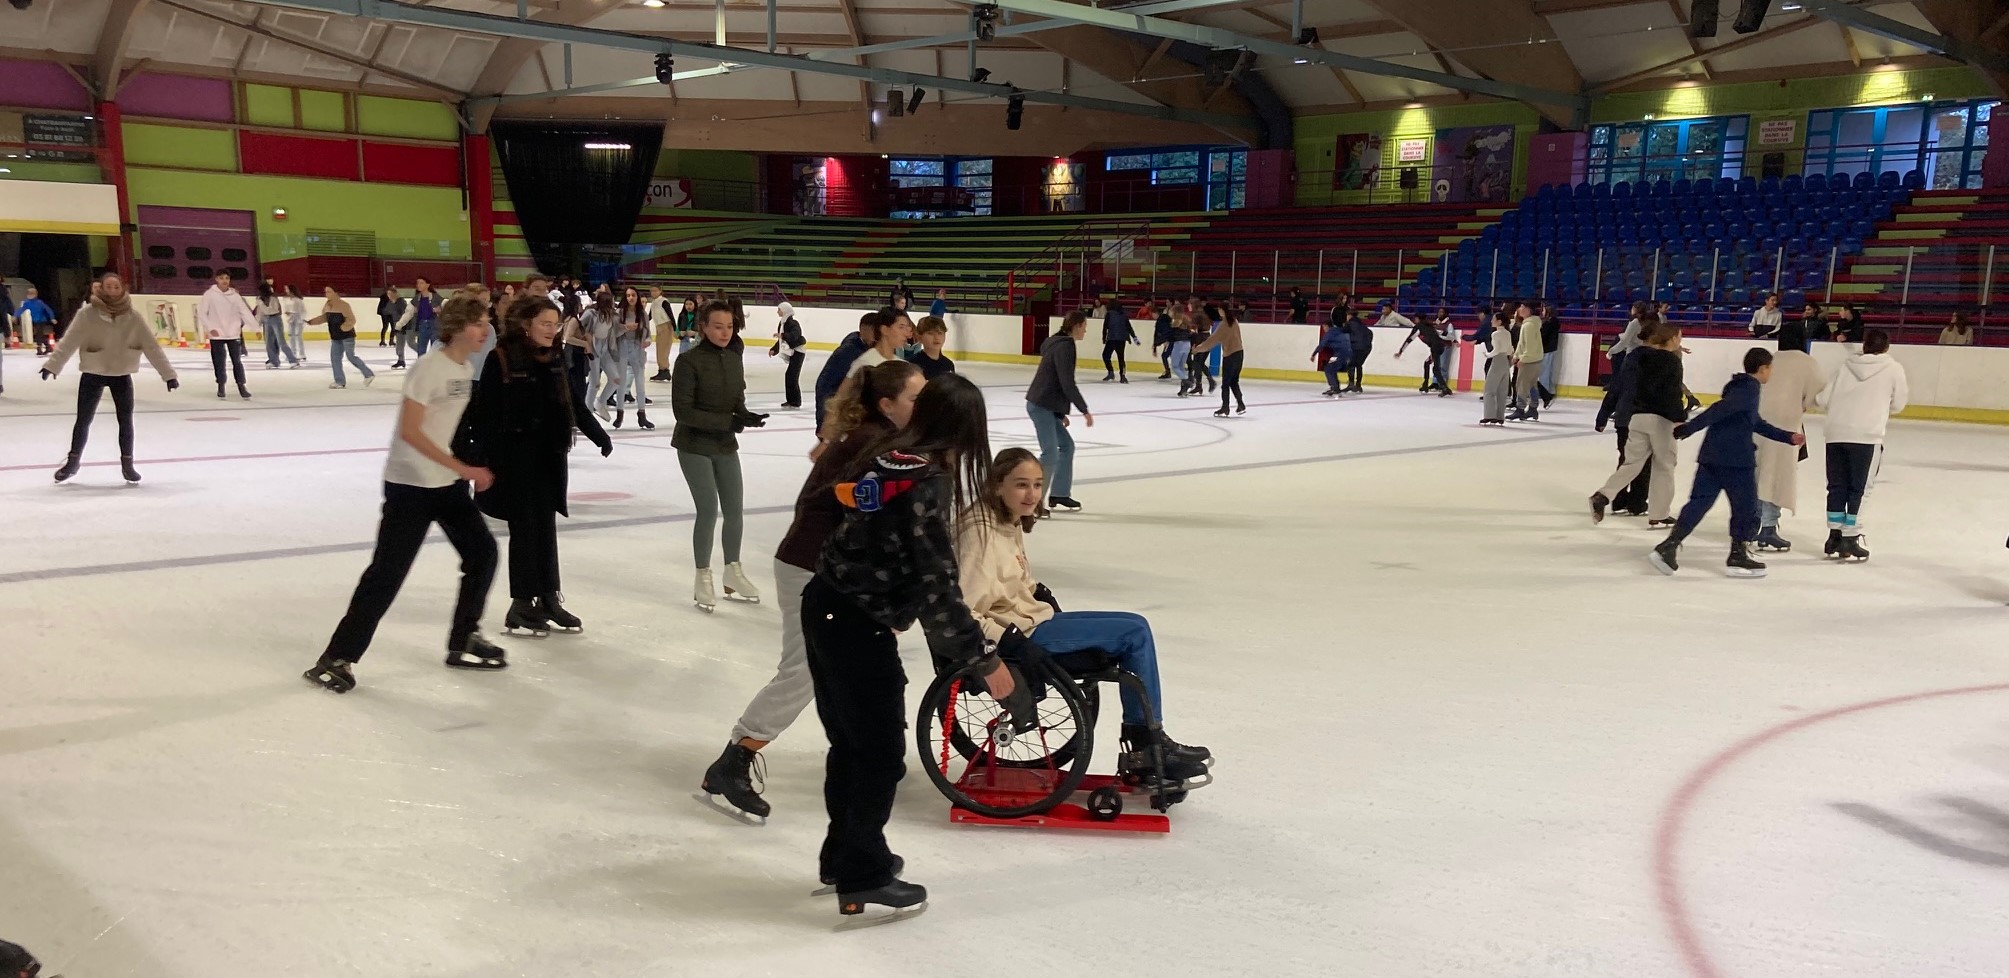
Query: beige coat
(109,346)
(1784,401)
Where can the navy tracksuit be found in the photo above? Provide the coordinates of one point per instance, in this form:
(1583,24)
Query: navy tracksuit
(1728,462)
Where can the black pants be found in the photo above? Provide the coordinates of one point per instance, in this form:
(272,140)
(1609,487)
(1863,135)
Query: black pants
(89,389)
(1231,379)
(1113,347)
(1357,370)
(1165,358)
(854,666)
(408,512)
(1196,371)
(791,382)
(217,348)
(533,552)
(1852,467)
(384,333)
(577,362)
(1632,498)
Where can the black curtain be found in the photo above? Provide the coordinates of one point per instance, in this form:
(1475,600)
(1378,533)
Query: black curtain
(566,195)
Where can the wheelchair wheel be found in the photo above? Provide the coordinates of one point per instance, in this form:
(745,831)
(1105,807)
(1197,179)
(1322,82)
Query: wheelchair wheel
(972,754)
(1062,754)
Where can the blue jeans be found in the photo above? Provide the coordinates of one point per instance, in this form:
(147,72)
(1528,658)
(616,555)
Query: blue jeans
(344,347)
(1333,366)
(1768,515)
(1127,639)
(1182,351)
(424,342)
(1056,450)
(1444,365)
(275,341)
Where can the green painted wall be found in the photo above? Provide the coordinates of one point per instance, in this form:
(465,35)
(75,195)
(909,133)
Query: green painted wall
(707,164)
(54,172)
(405,117)
(180,146)
(407,220)
(323,111)
(1315,137)
(268,105)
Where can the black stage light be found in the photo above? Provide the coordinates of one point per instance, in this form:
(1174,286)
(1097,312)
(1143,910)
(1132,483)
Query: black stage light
(896,103)
(1014,109)
(914,104)
(1750,16)
(666,65)
(1702,18)
(980,75)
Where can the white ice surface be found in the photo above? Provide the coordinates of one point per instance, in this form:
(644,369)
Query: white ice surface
(1452,717)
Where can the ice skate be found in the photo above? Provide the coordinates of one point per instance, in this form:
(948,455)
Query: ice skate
(552,608)
(126,468)
(1598,502)
(703,593)
(642,421)
(1832,550)
(619,415)
(476,652)
(332,673)
(1741,563)
(245,392)
(830,885)
(525,618)
(904,900)
(1852,550)
(738,775)
(1222,413)
(1064,502)
(69,468)
(737,586)
(1664,557)
(1769,541)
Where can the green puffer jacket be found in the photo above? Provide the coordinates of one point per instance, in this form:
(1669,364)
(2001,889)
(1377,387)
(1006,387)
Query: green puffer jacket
(708,396)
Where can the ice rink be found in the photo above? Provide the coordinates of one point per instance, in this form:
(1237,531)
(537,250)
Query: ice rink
(1460,730)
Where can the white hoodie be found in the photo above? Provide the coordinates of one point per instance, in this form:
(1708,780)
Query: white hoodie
(223,315)
(1869,389)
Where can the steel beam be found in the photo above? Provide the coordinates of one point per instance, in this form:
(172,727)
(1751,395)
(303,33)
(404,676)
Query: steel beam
(1849,15)
(1225,40)
(1176,6)
(469,22)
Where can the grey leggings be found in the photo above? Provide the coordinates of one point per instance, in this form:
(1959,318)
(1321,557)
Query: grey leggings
(715,484)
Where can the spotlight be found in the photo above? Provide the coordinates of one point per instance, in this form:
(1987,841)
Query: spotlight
(914,104)
(666,65)
(654,3)
(1750,16)
(980,75)
(984,20)
(1702,18)
(896,102)
(1014,110)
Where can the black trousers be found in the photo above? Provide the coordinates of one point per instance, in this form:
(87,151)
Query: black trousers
(1851,468)
(1113,347)
(1231,379)
(1165,358)
(1357,370)
(217,349)
(533,553)
(577,361)
(1633,496)
(854,666)
(791,382)
(408,512)
(90,388)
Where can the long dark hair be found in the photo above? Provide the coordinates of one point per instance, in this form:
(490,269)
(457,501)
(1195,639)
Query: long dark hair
(881,381)
(950,428)
(265,293)
(516,352)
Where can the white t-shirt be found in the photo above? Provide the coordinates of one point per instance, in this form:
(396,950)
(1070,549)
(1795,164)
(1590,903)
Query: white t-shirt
(444,387)
(870,358)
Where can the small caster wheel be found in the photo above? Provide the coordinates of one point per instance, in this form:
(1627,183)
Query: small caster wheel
(1104,804)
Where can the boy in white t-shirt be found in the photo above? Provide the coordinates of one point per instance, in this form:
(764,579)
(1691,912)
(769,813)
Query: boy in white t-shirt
(424,484)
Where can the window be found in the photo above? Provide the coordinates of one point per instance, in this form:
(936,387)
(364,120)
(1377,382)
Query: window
(929,168)
(196,254)
(971,174)
(1943,141)
(1691,149)
(159,251)
(1227,176)
(1130,162)
(1174,177)
(235,254)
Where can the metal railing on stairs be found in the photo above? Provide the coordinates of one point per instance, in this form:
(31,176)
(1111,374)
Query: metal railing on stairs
(1081,262)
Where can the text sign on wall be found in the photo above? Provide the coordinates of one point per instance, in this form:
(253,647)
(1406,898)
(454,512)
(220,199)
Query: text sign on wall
(1412,150)
(668,193)
(1777,132)
(59,137)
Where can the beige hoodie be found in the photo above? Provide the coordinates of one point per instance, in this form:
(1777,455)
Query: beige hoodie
(996,582)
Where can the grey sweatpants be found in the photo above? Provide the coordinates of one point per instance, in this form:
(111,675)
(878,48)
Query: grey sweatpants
(1497,370)
(778,703)
(1524,384)
(715,485)
(1648,437)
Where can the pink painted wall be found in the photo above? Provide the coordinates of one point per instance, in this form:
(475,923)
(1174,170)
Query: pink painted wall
(40,85)
(176,97)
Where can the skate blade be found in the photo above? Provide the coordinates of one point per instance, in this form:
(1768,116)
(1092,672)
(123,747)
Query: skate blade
(877,917)
(1742,572)
(707,608)
(827,889)
(518,632)
(744,818)
(735,596)
(1660,565)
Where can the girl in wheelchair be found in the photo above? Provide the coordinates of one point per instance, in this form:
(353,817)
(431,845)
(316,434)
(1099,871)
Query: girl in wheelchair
(1002,593)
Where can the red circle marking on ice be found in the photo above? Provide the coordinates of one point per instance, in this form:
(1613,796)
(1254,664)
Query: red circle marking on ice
(1667,839)
(214,417)
(600,497)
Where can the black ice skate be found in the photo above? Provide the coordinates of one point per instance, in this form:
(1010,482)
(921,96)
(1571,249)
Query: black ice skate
(551,608)
(1064,502)
(1769,541)
(1832,549)
(1852,550)
(1598,502)
(69,468)
(526,618)
(1741,563)
(734,775)
(903,899)
(1664,556)
(332,673)
(126,467)
(830,883)
(476,652)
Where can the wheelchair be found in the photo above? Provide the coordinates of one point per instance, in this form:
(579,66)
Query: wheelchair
(1027,769)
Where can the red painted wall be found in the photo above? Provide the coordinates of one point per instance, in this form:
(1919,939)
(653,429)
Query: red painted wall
(855,186)
(297,156)
(435,166)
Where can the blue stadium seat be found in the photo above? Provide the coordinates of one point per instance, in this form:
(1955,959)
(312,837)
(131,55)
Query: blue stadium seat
(1816,181)
(1889,180)
(1864,181)
(1914,180)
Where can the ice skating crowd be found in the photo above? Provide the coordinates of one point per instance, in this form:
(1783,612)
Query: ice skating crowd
(906,517)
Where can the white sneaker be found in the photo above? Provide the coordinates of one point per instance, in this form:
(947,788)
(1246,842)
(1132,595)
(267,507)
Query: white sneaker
(703,593)
(367,381)
(737,585)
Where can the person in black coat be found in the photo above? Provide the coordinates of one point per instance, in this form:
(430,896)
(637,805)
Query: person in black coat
(1161,336)
(1300,306)
(1116,331)
(1363,344)
(789,344)
(520,426)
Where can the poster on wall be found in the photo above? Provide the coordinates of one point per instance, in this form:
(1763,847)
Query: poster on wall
(1473,164)
(1777,132)
(67,138)
(809,188)
(1063,187)
(674,192)
(1356,161)
(1412,150)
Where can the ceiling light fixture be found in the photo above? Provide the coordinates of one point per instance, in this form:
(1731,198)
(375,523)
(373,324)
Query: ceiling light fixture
(654,3)
(608,146)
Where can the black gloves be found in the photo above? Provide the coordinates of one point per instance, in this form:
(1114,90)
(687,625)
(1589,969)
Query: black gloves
(606,448)
(173,385)
(1041,592)
(742,420)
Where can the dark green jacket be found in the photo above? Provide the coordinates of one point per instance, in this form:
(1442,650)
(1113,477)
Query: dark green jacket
(708,396)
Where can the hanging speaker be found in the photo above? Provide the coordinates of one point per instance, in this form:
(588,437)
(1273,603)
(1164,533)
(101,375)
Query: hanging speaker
(896,103)
(914,104)
(1750,16)
(1702,18)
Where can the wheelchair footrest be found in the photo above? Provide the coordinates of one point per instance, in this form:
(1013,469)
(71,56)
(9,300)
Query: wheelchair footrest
(1072,815)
